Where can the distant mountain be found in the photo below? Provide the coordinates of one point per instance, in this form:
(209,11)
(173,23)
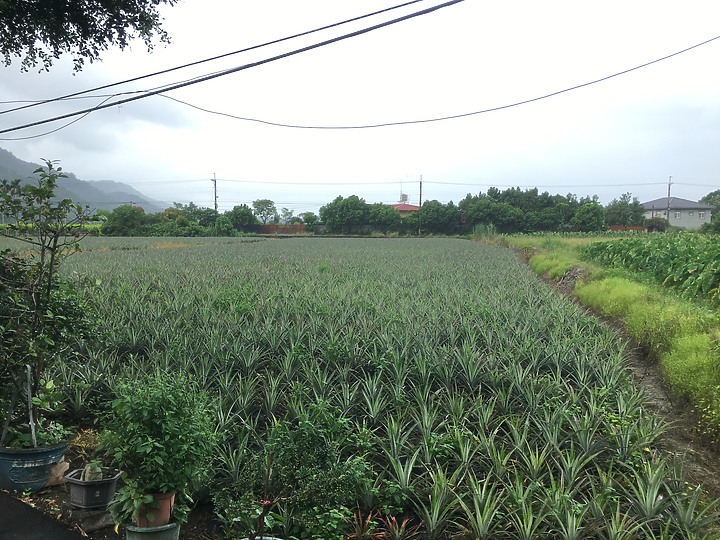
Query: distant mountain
(103,194)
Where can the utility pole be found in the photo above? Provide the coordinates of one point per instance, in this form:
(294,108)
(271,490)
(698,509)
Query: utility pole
(668,199)
(215,198)
(419,214)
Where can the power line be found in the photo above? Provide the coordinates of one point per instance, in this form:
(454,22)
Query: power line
(441,118)
(198,62)
(166,88)
(240,68)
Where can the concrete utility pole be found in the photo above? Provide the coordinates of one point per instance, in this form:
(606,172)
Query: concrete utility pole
(419,218)
(668,199)
(215,197)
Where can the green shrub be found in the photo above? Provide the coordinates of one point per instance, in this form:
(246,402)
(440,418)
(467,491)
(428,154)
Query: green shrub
(656,324)
(161,433)
(304,470)
(555,265)
(613,296)
(692,367)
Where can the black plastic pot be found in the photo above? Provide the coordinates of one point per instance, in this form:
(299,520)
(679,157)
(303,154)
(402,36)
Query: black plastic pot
(92,493)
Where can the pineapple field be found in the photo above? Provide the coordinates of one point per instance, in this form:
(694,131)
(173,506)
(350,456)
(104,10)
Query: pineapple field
(385,388)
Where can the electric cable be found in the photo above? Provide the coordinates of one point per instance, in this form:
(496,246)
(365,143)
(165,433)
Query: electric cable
(198,62)
(238,68)
(366,126)
(448,117)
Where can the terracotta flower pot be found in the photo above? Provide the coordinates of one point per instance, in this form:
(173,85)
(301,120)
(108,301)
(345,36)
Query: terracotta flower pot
(160,509)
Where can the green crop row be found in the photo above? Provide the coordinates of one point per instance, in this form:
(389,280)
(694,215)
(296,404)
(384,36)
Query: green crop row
(687,262)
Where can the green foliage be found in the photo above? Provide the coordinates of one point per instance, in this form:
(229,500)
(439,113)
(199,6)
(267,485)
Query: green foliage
(242,217)
(554,264)
(265,211)
(345,215)
(589,217)
(657,224)
(223,227)
(41,318)
(383,218)
(613,296)
(624,211)
(712,198)
(311,221)
(438,218)
(656,323)
(129,220)
(693,367)
(160,431)
(39,32)
(687,262)
(308,470)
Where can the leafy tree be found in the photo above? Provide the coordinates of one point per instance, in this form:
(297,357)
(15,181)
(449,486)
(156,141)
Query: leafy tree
(383,218)
(589,217)
(486,210)
(547,219)
(265,211)
(175,222)
(41,319)
(223,227)
(242,217)
(205,217)
(346,215)
(712,198)
(39,31)
(626,211)
(437,218)
(128,220)
(286,216)
(311,220)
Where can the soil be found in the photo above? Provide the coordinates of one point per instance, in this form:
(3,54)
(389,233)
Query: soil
(700,457)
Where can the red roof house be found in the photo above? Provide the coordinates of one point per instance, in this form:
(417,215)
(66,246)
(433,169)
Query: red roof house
(405,209)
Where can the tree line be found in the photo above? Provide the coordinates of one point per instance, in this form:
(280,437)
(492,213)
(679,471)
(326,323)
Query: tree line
(509,211)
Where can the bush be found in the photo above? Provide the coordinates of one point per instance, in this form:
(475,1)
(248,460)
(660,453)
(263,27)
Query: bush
(303,470)
(612,296)
(161,433)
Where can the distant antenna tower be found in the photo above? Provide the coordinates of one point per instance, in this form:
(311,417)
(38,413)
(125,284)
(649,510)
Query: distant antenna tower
(403,198)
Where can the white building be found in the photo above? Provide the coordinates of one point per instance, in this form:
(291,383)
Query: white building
(683,213)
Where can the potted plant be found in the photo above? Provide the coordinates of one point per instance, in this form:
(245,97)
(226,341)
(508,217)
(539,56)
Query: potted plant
(41,322)
(92,486)
(161,433)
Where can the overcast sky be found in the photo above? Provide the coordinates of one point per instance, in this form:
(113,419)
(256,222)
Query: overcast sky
(628,133)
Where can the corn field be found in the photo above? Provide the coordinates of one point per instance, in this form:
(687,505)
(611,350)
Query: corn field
(482,403)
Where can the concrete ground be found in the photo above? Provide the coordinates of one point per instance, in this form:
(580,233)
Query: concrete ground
(19,521)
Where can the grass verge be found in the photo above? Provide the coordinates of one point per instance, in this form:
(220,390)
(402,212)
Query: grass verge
(683,336)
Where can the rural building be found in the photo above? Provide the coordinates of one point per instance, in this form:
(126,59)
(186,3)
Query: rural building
(683,213)
(405,209)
